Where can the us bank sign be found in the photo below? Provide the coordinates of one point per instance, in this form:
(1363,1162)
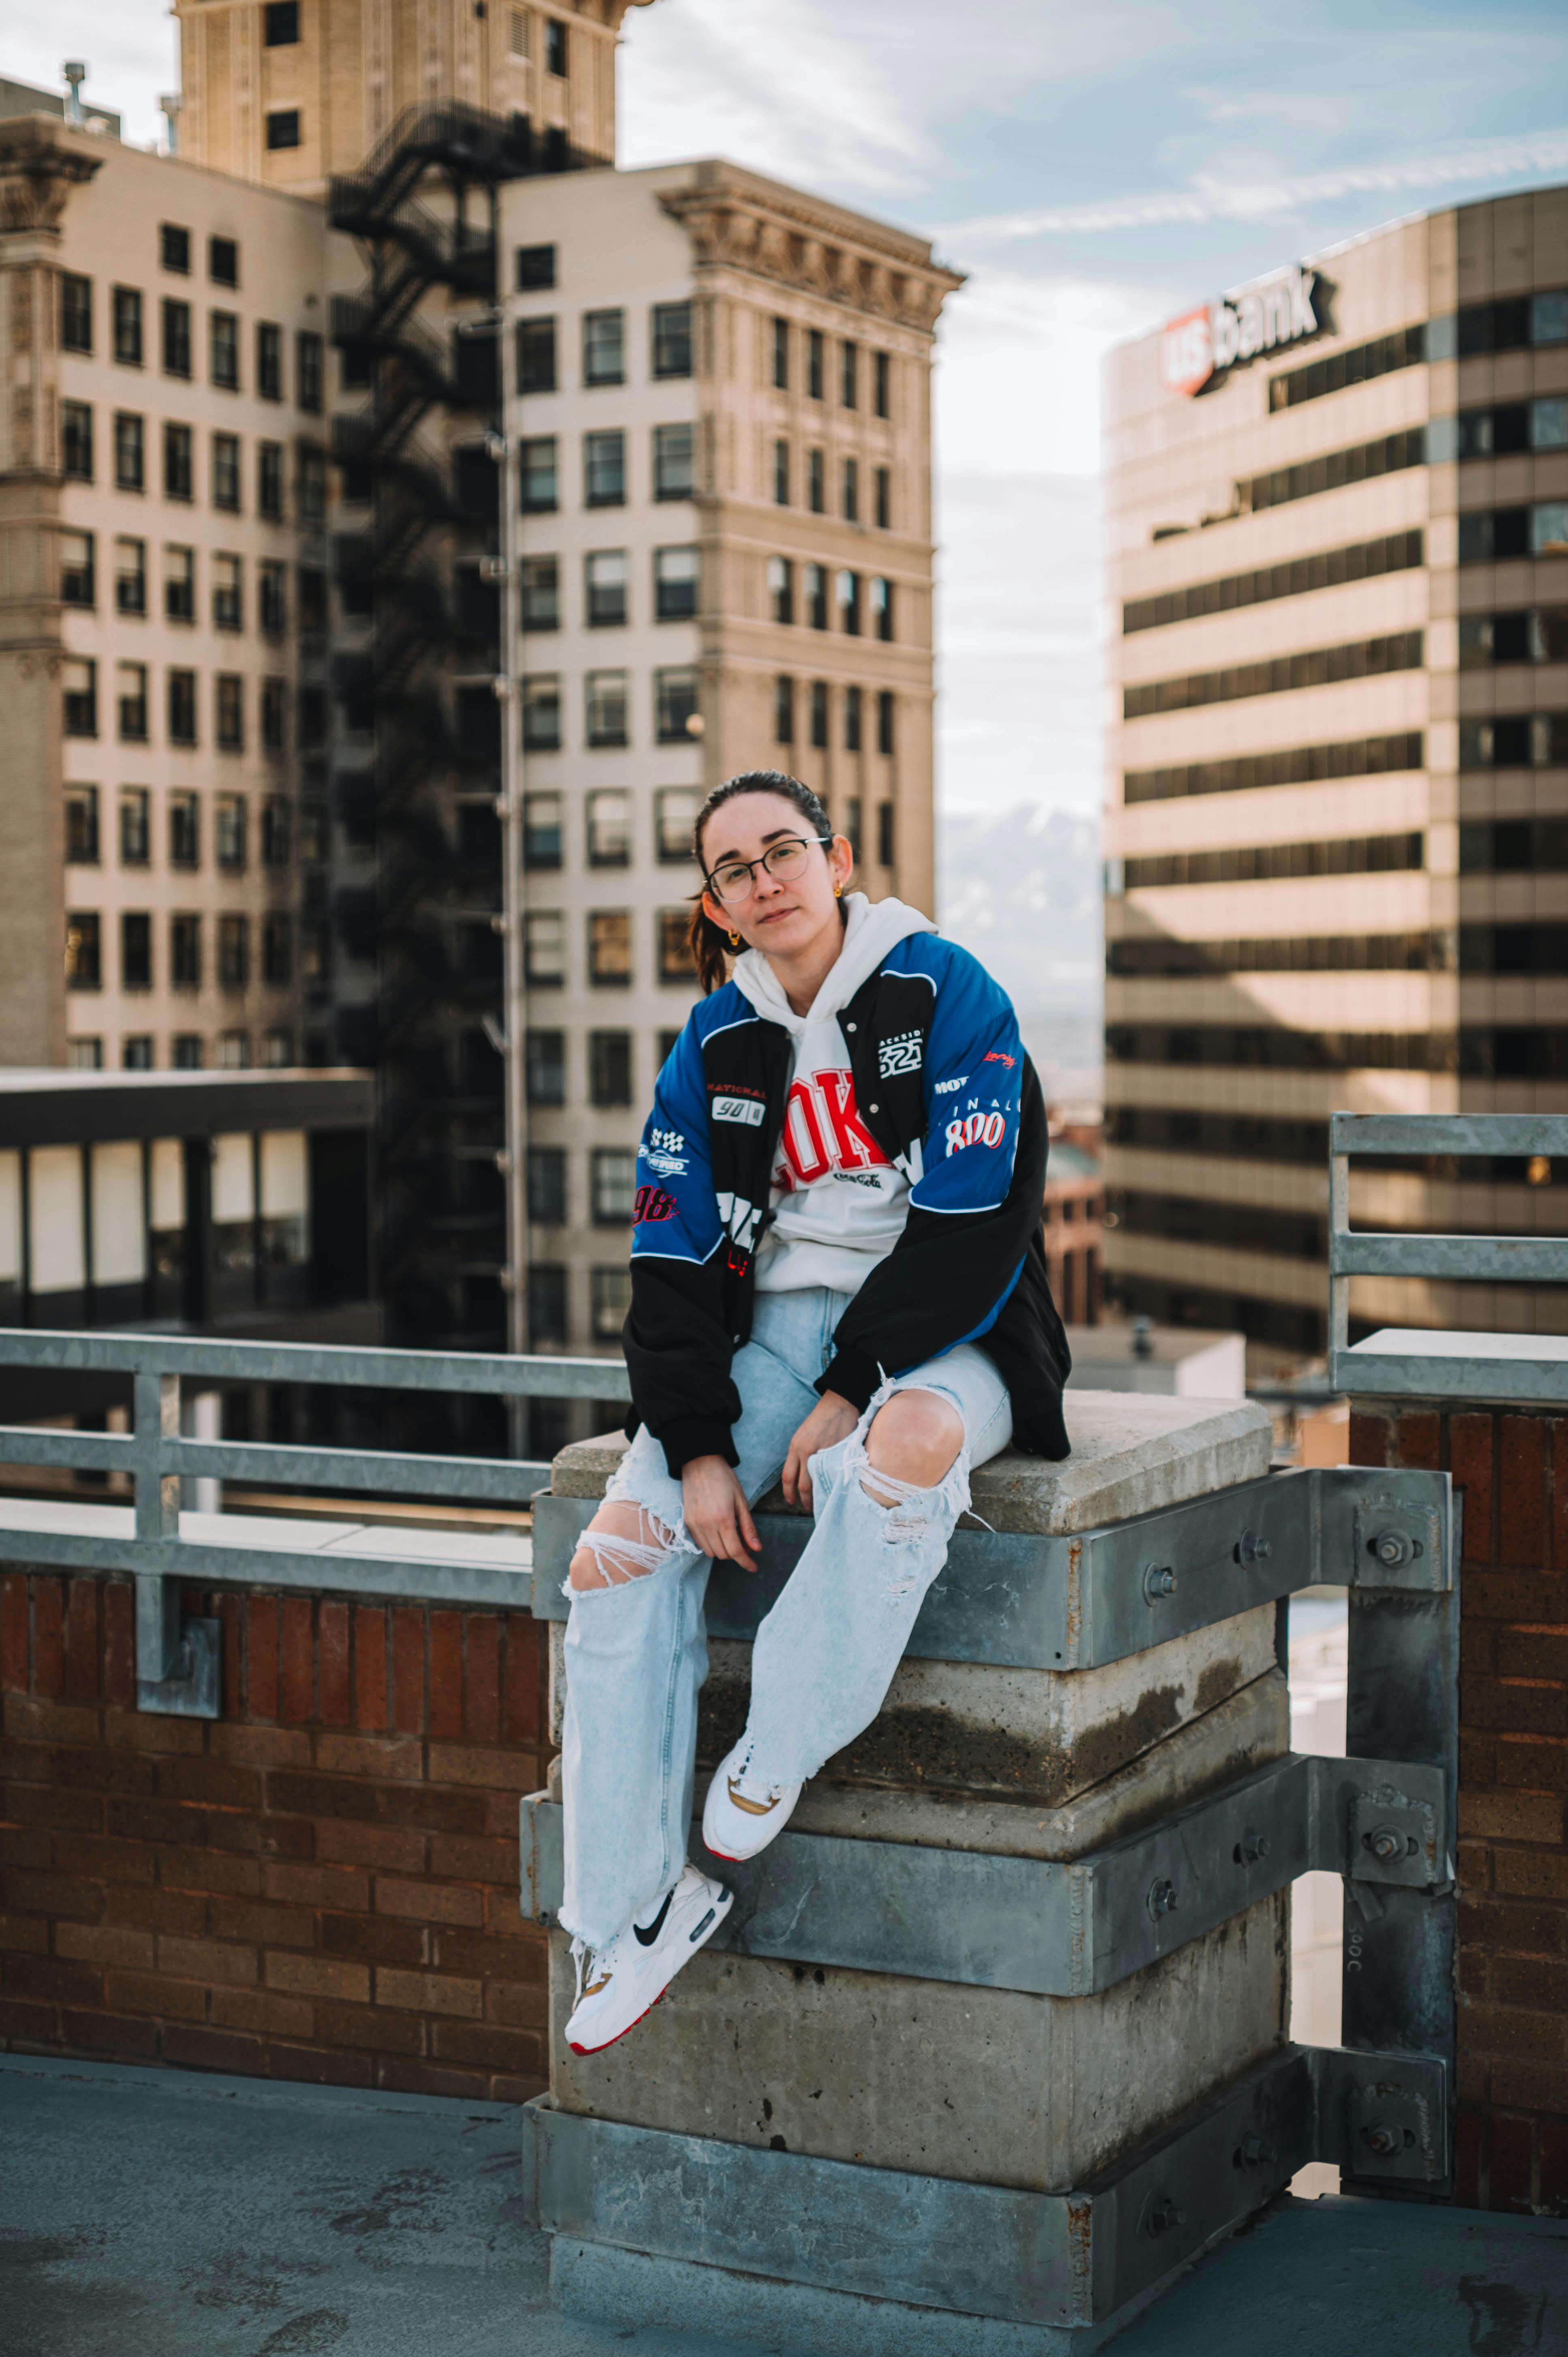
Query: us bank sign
(1201,345)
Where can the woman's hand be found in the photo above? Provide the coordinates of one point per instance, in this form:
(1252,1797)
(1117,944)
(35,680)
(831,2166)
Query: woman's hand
(716,1513)
(832,1420)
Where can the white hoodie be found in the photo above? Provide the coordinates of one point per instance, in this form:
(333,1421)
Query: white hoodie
(838,1204)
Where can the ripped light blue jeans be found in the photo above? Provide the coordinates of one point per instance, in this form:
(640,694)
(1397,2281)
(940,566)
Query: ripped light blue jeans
(825,1657)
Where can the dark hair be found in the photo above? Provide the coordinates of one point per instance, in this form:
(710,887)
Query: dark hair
(709,943)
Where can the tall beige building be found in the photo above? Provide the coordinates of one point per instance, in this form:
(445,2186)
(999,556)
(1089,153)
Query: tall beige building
(1337,831)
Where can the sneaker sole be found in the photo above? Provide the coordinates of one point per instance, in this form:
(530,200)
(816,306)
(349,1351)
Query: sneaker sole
(719,1916)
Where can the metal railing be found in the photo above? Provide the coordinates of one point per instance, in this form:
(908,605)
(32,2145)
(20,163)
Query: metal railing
(1416,1362)
(156,1543)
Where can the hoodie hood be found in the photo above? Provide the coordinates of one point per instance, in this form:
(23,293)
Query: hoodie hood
(872,928)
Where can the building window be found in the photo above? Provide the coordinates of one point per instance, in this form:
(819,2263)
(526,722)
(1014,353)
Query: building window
(547,1289)
(851,491)
(820,714)
(79,683)
(84,1055)
(234,1051)
(135,951)
(541,833)
(609,828)
(609,948)
(312,487)
(272,598)
(275,715)
(126,302)
(228,593)
(536,356)
(135,827)
(675,571)
(230,832)
(131,696)
(784,709)
(308,370)
(885,721)
(535,264)
(852,825)
(817,596)
(885,833)
(230,708)
(816,482)
(814,362)
(675,812)
(604,348)
(277,951)
(277,1050)
(606,694)
(269,482)
(174,247)
(854,704)
(269,359)
(187,1052)
(849,375)
(184,954)
(540,478)
(781,474)
(77,569)
(544,947)
(555,50)
(614,1171)
(81,826)
(882,608)
(223,338)
(130,577)
(675,962)
(884,499)
(541,582)
(226,472)
(609,1068)
(674,462)
(84,951)
(604,576)
(283,128)
(76,439)
(881,395)
(675,704)
(672,340)
(176,337)
(282,24)
(849,603)
(136,1052)
(782,589)
(233,952)
(312,602)
(75,312)
(542,711)
(130,452)
(611,1300)
(178,467)
(184,831)
(182,708)
(782,355)
(547,1186)
(544,1063)
(277,829)
(604,470)
(180,585)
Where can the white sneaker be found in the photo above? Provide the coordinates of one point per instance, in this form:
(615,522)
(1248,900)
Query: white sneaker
(740,1815)
(617,1985)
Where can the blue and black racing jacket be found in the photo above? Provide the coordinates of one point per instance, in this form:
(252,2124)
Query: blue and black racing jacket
(941,1085)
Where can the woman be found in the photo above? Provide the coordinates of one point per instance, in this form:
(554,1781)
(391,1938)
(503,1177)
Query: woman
(838,1276)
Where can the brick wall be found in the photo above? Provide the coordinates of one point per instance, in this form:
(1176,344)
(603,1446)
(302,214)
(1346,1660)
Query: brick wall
(1512,1468)
(322,1884)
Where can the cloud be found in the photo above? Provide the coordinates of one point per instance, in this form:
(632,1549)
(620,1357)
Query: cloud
(1240,199)
(1017,390)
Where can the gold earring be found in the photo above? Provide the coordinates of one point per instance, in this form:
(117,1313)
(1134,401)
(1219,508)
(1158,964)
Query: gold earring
(838,891)
(734,940)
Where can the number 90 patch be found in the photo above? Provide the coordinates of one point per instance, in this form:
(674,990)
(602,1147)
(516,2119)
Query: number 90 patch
(976,1129)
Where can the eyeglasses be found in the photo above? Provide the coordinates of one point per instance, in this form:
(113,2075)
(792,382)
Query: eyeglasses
(733,882)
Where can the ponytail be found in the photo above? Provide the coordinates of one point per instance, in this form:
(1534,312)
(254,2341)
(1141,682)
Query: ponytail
(709,943)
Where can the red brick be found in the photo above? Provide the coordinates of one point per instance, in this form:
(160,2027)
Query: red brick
(48,1639)
(155,1910)
(191,2048)
(106,1943)
(1519,1705)
(231,1612)
(1513,1927)
(524,1654)
(1510,2031)
(260,1747)
(1525,2085)
(506,2089)
(1510,2163)
(487,2044)
(1468,2136)
(134,1731)
(265,2012)
(1560,1493)
(262,1658)
(430,1992)
(384,1845)
(331,1976)
(320,2068)
(103,1860)
(338,1887)
(503,1917)
(298,1686)
(110,2033)
(53,1894)
(445,1674)
(261,1836)
(1419,1441)
(428,1902)
(1539,1981)
(120,1645)
(332,1650)
(321,1796)
(516,2005)
(72,1766)
(370,1667)
(16,1614)
(139,1819)
(1470,1461)
(28,2024)
(23,1846)
(81,1642)
(482,1678)
(214,1783)
(274,1927)
(472,1763)
(1536,1761)
(400,1757)
(434,1812)
(472,1858)
(208,1961)
(1533,1873)
(155,1994)
(1474,1976)
(409,2078)
(377,2028)
(41,1720)
(64,1980)
(1516,1596)
(408,1670)
(1521,1490)
(372,1940)
(1552,2160)
(1535,1650)
(36,1804)
(29,1935)
(1475,1864)
(482,1952)
(1371,1438)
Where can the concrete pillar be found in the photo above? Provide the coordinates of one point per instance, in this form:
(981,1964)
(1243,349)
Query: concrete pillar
(986,2087)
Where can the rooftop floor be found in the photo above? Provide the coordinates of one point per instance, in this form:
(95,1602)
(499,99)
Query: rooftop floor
(157,2213)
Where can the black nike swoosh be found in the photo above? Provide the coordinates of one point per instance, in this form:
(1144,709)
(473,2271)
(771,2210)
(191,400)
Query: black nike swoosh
(648,1936)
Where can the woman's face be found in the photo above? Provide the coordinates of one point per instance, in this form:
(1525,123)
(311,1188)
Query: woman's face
(779,917)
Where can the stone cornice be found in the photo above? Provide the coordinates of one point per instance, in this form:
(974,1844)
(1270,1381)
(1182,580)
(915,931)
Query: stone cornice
(41,160)
(738,220)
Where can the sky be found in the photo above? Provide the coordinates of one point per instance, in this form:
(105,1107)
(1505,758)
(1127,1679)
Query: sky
(1093,171)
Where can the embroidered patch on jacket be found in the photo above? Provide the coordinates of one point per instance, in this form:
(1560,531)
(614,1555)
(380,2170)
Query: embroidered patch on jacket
(905,1053)
(747,1111)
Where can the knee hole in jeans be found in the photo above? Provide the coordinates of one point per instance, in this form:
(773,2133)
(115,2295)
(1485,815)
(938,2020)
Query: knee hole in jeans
(912,1446)
(622,1542)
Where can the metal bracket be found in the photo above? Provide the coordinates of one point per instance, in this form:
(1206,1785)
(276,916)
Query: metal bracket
(178,1662)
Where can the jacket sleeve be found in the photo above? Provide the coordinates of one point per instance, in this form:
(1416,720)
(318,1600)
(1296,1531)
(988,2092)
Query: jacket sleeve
(975,1201)
(677,1346)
